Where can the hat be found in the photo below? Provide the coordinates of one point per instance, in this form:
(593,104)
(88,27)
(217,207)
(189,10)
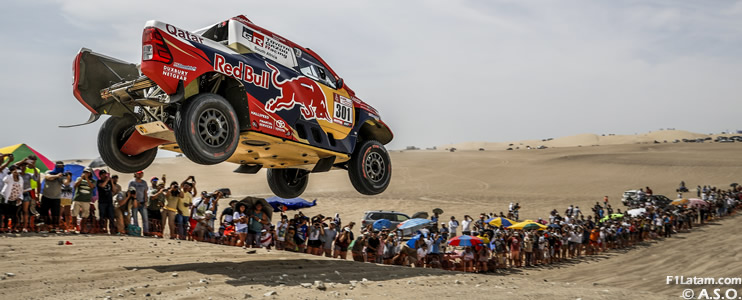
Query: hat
(102,172)
(346,229)
(88,169)
(131,188)
(209,213)
(264,230)
(154,178)
(140,172)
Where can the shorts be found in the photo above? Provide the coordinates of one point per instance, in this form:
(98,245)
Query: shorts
(65,202)
(341,249)
(243,230)
(81,209)
(314,243)
(27,196)
(105,210)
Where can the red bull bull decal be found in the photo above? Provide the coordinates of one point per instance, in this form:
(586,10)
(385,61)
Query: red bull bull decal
(241,72)
(301,91)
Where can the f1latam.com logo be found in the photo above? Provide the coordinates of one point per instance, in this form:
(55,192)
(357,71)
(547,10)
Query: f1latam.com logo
(300,91)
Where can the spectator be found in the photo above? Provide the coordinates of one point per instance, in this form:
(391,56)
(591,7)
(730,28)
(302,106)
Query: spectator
(265,239)
(81,201)
(203,230)
(52,193)
(199,209)
(239,219)
(183,216)
(29,172)
(124,206)
(105,201)
(314,244)
(466,225)
(341,244)
(329,234)
(301,233)
(257,219)
(227,214)
(66,201)
(6,208)
(155,202)
(281,229)
(172,201)
(453,225)
(12,192)
(140,208)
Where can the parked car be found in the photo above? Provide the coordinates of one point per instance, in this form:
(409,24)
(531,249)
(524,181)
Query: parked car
(235,92)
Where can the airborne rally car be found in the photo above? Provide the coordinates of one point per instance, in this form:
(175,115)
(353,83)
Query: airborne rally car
(233,92)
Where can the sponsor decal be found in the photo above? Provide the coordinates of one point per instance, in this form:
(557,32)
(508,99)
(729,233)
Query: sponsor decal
(184,67)
(343,112)
(174,73)
(183,34)
(267,46)
(280,124)
(241,71)
(300,91)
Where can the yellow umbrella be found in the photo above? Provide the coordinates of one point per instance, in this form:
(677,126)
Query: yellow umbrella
(528,224)
(500,221)
(680,202)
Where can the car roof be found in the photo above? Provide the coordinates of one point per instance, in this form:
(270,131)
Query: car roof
(383,211)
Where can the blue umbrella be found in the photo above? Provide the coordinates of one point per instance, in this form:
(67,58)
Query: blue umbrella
(411,223)
(413,240)
(290,204)
(382,224)
(555,226)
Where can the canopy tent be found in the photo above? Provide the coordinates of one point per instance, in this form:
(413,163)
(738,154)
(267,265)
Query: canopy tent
(21,151)
(76,171)
(279,203)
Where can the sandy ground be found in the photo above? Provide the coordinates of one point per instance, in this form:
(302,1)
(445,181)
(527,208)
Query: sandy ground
(464,182)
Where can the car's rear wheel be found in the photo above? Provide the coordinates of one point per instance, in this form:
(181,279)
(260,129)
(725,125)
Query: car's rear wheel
(111,137)
(370,168)
(288,183)
(207,129)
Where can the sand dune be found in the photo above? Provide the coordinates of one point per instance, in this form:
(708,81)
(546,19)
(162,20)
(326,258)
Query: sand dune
(466,182)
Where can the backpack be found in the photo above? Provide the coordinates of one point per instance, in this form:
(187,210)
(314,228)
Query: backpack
(133,230)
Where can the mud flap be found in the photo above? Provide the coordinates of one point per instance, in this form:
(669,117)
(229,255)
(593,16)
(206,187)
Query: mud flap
(94,72)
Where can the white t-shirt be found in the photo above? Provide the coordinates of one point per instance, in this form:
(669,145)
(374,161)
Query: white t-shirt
(238,225)
(452,225)
(465,225)
(3,173)
(281,229)
(12,187)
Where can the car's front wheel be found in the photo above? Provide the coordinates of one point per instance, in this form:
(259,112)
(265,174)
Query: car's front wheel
(288,183)
(370,168)
(207,129)
(111,137)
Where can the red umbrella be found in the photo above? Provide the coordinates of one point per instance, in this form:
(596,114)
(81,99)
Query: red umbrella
(465,241)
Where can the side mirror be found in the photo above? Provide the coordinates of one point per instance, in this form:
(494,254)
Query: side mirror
(340,83)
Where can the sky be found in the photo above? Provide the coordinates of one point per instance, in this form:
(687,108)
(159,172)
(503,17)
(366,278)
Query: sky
(438,71)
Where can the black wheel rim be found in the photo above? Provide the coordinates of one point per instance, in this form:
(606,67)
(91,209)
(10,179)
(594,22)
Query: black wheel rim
(213,127)
(374,167)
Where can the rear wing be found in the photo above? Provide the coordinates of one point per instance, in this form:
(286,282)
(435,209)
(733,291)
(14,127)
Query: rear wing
(94,72)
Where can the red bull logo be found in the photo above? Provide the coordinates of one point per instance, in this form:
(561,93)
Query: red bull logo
(298,91)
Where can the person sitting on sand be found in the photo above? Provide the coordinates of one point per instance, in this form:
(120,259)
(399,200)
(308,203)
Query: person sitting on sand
(203,231)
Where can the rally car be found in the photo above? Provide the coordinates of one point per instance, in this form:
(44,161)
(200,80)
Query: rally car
(233,92)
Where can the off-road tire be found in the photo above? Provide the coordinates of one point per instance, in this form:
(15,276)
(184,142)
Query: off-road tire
(288,183)
(370,168)
(207,129)
(112,135)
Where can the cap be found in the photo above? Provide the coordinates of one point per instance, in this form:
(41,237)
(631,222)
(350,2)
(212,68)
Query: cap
(209,213)
(140,172)
(346,229)
(102,172)
(154,178)
(88,169)
(131,188)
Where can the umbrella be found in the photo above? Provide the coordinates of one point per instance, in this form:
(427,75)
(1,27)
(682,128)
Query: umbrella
(413,223)
(420,215)
(411,243)
(527,225)
(500,221)
(22,151)
(555,226)
(465,241)
(437,211)
(679,202)
(382,224)
(252,201)
(636,211)
(695,202)
(291,204)
(97,163)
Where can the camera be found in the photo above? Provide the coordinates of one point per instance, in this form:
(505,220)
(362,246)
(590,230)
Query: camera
(132,192)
